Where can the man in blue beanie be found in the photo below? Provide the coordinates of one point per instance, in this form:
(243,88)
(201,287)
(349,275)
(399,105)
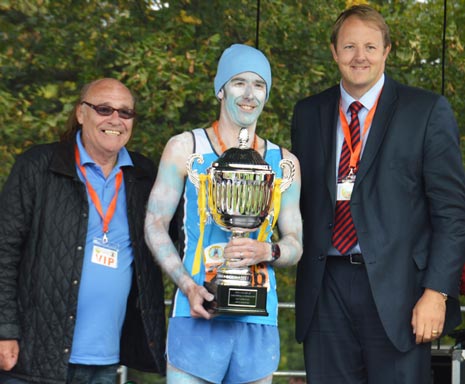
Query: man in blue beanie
(202,345)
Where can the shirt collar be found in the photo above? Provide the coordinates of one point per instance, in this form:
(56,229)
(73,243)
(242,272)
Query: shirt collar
(124,160)
(368,99)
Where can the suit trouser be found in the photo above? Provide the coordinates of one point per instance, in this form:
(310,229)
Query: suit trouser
(347,343)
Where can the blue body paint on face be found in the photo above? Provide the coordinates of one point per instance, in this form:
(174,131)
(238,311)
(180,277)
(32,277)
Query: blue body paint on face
(245,96)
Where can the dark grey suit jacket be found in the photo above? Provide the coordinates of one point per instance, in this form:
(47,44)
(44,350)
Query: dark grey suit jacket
(408,203)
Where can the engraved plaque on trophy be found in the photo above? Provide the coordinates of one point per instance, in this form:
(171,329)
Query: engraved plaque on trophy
(239,194)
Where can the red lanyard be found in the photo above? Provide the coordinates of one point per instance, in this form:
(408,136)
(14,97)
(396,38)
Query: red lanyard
(95,199)
(355,152)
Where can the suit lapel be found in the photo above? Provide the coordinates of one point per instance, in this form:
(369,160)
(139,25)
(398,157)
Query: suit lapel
(328,118)
(383,116)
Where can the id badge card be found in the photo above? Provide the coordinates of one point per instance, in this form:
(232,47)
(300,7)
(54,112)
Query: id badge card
(105,253)
(344,190)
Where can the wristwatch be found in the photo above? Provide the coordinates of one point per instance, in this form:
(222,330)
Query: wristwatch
(275,252)
(444,295)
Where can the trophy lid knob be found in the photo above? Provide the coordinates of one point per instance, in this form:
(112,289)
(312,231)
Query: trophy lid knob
(243,138)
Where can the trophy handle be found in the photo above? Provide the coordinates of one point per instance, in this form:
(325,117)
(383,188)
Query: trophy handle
(192,173)
(288,177)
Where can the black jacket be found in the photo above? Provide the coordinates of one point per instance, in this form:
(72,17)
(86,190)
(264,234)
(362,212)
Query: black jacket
(43,226)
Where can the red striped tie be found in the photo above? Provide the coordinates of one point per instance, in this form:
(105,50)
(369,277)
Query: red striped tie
(344,236)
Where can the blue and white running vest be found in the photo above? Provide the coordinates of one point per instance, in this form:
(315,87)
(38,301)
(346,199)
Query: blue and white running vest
(216,238)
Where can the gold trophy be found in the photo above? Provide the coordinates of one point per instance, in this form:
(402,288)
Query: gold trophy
(240,186)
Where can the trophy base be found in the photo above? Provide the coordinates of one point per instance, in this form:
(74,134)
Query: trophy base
(237,300)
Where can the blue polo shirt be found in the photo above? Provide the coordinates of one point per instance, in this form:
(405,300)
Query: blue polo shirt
(104,289)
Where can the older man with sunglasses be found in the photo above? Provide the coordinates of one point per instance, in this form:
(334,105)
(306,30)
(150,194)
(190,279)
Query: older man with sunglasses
(79,291)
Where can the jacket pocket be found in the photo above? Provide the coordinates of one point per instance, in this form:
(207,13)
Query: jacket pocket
(421,259)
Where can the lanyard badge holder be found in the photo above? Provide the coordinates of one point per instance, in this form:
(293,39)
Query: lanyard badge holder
(346,186)
(103,252)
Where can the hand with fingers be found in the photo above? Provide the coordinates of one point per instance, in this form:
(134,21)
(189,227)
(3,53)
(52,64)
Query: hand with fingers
(428,316)
(9,350)
(198,296)
(244,252)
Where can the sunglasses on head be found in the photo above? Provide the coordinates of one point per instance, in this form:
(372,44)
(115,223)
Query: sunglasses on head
(106,110)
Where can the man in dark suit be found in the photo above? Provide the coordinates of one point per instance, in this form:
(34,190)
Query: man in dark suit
(383,205)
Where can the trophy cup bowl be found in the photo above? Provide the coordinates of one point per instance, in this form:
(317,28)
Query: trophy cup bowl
(240,192)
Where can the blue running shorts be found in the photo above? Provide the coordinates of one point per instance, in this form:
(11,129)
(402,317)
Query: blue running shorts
(223,351)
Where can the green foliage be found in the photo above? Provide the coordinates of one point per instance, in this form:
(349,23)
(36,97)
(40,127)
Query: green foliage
(168,55)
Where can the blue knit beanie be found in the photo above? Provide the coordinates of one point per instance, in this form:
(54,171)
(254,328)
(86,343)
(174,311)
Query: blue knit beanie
(240,58)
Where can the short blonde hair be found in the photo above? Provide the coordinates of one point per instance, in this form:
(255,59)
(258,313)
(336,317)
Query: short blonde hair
(364,13)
